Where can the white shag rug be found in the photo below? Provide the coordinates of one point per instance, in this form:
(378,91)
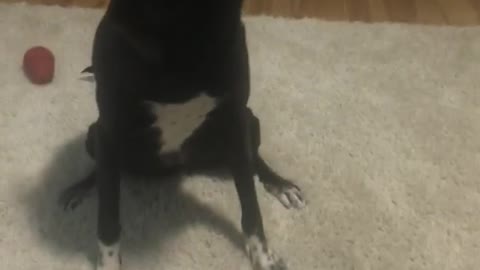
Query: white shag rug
(379,124)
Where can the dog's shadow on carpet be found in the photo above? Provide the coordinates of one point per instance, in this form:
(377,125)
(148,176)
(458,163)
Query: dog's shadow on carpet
(152,212)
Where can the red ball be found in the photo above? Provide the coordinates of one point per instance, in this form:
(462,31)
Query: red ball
(39,65)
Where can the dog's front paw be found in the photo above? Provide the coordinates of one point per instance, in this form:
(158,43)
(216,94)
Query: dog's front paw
(109,265)
(109,257)
(287,193)
(263,258)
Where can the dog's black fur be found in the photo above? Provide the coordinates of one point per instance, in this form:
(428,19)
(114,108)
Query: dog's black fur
(170,51)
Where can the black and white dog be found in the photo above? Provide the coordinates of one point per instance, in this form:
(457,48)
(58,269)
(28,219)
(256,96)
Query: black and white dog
(172,86)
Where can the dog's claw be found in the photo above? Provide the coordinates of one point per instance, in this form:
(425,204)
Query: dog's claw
(71,198)
(288,194)
(88,69)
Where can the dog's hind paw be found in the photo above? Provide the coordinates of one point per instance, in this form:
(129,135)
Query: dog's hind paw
(287,193)
(73,196)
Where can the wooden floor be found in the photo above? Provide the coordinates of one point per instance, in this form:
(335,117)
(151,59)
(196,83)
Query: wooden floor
(451,12)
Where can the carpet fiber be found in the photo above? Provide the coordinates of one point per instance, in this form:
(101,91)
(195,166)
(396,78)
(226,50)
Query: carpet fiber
(379,124)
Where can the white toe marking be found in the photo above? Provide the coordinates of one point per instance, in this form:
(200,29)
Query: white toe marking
(288,196)
(284,199)
(295,198)
(261,257)
(109,257)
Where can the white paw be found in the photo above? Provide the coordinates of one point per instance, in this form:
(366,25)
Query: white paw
(261,257)
(109,257)
(288,194)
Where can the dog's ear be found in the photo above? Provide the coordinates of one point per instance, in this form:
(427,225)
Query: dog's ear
(88,70)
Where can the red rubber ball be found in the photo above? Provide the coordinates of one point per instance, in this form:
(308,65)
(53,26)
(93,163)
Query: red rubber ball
(39,65)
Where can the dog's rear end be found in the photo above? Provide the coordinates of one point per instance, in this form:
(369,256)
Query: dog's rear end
(177,54)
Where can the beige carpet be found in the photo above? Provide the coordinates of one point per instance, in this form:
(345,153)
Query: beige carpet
(379,124)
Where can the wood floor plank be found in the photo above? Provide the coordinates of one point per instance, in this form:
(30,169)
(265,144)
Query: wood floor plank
(429,12)
(251,7)
(358,10)
(325,9)
(90,3)
(476,8)
(254,6)
(459,12)
(452,12)
(286,8)
(401,11)
(378,11)
(283,8)
(267,6)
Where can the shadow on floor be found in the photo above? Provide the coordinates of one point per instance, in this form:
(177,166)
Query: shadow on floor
(152,212)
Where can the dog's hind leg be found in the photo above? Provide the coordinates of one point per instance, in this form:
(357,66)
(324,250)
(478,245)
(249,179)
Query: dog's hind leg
(284,190)
(73,196)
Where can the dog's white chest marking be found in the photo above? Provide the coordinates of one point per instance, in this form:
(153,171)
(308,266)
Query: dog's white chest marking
(179,121)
